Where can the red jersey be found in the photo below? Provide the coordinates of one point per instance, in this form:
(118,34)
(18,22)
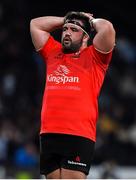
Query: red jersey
(73,83)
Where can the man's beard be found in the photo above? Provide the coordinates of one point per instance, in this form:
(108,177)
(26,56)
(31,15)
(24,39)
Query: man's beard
(69,46)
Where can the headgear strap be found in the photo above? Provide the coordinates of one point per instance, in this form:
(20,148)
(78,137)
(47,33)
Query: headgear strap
(76,23)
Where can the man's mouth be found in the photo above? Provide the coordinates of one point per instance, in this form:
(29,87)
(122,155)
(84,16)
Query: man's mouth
(66,40)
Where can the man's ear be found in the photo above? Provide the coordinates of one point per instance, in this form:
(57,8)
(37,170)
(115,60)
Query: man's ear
(85,38)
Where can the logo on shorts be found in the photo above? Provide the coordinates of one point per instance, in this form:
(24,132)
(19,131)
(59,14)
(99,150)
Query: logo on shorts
(77,162)
(77,159)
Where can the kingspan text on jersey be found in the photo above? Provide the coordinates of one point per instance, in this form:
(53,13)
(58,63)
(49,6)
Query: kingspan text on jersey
(62,79)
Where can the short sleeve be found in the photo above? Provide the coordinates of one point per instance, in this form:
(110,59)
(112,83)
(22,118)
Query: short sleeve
(101,59)
(49,47)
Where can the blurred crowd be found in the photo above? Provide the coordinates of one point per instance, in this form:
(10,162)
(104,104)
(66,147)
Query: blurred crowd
(22,80)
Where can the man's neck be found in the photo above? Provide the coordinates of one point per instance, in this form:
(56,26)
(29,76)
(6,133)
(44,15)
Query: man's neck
(69,51)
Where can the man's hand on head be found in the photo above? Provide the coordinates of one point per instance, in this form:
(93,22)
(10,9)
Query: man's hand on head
(89,15)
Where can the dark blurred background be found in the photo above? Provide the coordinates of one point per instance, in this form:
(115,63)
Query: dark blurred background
(22,80)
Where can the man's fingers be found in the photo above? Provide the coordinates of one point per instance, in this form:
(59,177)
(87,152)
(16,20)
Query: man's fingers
(89,15)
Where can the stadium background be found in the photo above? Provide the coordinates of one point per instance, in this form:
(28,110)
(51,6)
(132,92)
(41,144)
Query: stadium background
(22,82)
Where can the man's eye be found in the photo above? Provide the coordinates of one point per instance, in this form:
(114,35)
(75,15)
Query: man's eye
(64,29)
(74,29)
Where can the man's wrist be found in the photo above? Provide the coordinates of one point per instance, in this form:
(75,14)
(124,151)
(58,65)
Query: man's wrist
(91,21)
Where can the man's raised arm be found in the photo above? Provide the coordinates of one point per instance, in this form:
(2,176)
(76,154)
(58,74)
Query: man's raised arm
(41,27)
(104,39)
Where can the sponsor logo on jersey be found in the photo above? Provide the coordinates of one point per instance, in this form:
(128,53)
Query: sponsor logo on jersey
(61,75)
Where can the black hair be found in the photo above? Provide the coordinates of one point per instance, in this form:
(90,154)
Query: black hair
(73,15)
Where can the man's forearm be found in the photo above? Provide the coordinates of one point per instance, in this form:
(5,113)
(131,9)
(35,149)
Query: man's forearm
(104,39)
(48,23)
(101,24)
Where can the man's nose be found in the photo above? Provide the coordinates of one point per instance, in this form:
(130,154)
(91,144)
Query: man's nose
(68,33)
